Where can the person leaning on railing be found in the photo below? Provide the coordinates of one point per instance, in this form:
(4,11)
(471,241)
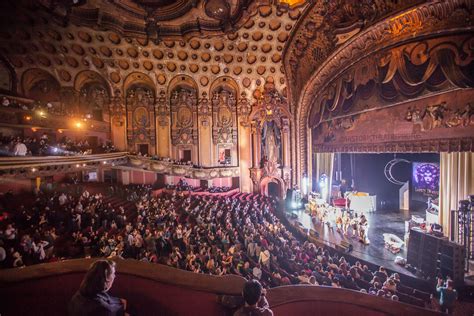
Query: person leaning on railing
(255,301)
(92,298)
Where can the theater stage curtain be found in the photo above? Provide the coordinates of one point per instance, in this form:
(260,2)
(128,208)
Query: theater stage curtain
(325,164)
(456,183)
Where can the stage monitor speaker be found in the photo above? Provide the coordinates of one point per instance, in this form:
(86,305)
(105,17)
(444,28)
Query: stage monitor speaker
(344,246)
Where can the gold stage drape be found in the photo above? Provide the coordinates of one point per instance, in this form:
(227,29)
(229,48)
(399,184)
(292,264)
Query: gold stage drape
(456,183)
(325,164)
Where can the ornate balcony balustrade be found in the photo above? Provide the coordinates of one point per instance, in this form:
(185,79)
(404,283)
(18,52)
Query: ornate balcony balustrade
(188,171)
(29,167)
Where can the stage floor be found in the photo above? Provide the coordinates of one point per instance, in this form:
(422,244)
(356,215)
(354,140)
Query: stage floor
(380,222)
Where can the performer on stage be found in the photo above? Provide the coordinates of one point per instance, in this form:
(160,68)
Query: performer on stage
(363,228)
(346,222)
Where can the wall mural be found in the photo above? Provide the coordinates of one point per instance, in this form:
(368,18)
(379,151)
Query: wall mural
(184,117)
(140,119)
(436,123)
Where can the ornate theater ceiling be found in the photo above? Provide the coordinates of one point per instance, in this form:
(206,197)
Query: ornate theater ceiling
(162,39)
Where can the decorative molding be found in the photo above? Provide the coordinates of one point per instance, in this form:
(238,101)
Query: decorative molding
(188,171)
(333,57)
(436,145)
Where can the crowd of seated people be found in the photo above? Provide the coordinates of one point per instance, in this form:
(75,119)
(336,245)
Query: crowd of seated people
(43,146)
(215,189)
(203,234)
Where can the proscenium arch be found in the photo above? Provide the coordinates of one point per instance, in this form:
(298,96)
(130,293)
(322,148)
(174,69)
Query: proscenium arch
(347,54)
(32,76)
(88,76)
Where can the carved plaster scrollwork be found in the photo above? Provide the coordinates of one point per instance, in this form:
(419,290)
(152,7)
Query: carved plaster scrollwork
(141,117)
(224,117)
(117,109)
(204,109)
(184,130)
(441,116)
(244,108)
(162,109)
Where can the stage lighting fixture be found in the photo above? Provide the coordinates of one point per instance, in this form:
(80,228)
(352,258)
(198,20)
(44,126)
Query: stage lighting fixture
(42,113)
(55,149)
(78,124)
(323,186)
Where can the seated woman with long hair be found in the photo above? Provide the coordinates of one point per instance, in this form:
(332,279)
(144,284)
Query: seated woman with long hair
(92,297)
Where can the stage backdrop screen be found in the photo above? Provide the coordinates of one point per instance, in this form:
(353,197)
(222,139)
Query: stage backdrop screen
(425,180)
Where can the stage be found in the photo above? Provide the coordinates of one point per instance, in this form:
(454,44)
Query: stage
(380,222)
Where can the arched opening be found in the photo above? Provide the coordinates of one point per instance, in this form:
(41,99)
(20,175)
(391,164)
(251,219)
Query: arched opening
(273,187)
(94,94)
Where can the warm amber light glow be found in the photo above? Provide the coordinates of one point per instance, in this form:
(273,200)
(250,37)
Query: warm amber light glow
(78,124)
(292,3)
(42,113)
(28,118)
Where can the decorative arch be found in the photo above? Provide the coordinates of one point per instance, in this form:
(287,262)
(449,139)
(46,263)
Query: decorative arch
(94,94)
(140,104)
(265,183)
(38,84)
(86,77)
(182,82)
(313,60)
(139,79)
(225,82)
(7,76)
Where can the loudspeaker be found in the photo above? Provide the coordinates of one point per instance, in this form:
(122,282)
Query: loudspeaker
(345,247)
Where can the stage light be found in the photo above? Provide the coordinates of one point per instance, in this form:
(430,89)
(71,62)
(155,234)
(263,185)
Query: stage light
(55,149)
(28,118)
(77,165)
(304,185)
(104,162)
(83,164)
(33,169)
(323,186)
(42,113)
(78,124)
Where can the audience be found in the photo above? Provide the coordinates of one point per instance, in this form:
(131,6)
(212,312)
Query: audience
(202,233)
(33,146)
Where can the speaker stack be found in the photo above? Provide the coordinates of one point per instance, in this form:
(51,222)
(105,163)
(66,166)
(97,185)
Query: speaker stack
(434,256)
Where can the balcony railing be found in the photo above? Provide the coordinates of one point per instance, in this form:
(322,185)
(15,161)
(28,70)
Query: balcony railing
(29,166)
(188,171)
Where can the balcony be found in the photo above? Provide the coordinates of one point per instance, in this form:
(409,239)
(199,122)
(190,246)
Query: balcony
(187,171)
